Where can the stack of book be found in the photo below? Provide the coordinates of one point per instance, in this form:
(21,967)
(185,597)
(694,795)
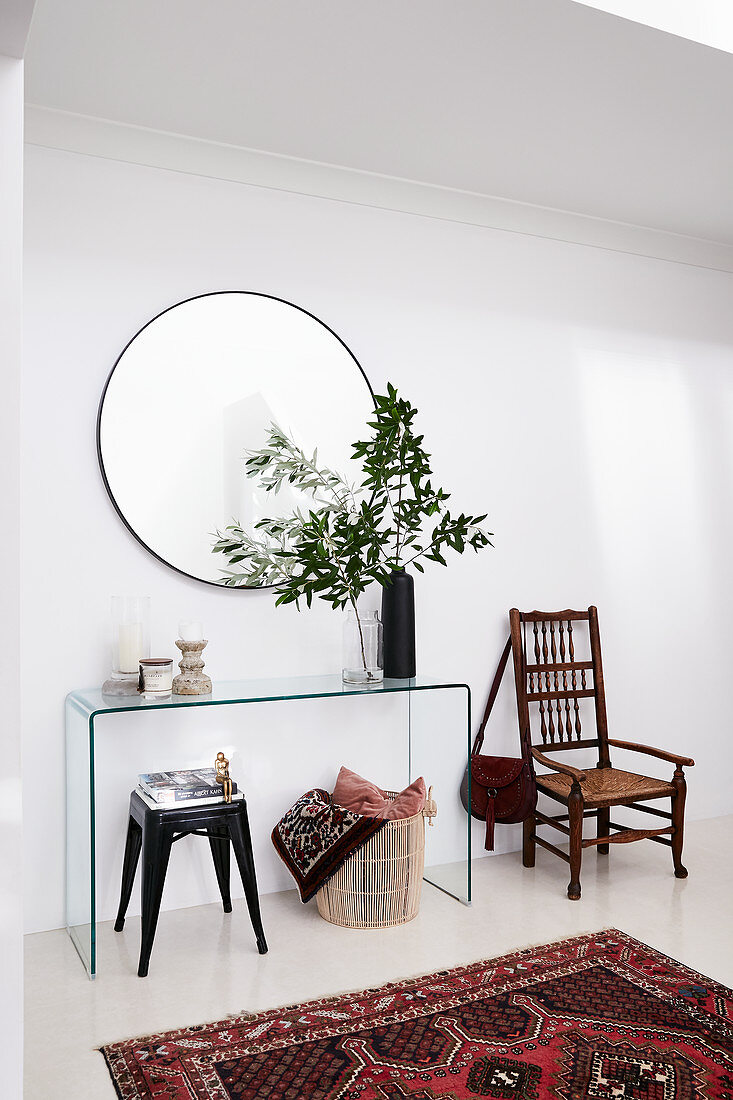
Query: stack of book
(166,789)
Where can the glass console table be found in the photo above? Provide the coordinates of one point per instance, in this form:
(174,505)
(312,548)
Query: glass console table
(447,754)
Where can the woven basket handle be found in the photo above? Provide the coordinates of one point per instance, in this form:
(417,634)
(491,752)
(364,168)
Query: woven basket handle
(430,809)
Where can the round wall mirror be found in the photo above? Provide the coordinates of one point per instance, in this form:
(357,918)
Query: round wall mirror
(196,389)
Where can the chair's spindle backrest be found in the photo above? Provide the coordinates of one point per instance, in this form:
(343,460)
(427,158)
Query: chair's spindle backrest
(564,661)
(551,681)
(571,649)
(538,662)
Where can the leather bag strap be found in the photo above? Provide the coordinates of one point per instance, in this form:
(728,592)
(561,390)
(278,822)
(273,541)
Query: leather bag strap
(492,696)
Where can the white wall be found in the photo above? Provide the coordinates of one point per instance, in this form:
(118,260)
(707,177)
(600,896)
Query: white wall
(11,915)
(582,397)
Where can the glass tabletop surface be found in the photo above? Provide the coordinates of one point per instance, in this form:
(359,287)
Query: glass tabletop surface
(92,701)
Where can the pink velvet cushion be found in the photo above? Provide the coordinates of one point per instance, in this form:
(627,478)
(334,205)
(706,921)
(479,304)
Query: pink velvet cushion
(362,797)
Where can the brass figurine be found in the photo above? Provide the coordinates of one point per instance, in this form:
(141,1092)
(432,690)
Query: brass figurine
(222,775)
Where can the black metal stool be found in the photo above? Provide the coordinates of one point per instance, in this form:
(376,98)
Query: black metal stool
(154,831)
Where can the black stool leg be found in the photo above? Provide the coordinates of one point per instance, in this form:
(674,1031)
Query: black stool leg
(157,842)
(242,844)
(129,866)
(219,843)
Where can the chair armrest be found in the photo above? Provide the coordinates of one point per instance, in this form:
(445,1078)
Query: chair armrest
(566,769)
(661,754)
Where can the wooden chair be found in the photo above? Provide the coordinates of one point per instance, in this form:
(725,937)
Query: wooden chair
(550,680)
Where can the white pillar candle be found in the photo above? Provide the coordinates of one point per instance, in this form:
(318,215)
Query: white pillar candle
(130,646)
(190,631)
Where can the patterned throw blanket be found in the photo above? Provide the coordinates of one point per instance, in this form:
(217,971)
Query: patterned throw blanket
(315,837)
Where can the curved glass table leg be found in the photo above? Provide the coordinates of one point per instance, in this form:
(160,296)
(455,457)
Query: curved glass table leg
(80,862)
(440,743)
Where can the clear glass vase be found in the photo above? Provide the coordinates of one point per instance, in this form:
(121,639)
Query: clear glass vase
(362,648)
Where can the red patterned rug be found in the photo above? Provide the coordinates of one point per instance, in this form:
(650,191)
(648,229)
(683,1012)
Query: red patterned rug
(600,1016)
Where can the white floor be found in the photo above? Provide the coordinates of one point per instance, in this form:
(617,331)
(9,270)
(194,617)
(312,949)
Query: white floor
(205,964)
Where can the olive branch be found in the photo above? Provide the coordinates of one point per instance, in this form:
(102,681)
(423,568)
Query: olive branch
(349,536)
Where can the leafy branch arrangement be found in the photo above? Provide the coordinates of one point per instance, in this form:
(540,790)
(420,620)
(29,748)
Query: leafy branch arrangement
(351,535)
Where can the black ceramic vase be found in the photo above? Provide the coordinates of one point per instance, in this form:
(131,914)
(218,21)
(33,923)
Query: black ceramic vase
(398,618)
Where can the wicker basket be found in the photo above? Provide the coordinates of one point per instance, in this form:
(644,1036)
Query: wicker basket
(379,885)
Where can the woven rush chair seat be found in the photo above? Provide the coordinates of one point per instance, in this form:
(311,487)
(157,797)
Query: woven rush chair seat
(607,787)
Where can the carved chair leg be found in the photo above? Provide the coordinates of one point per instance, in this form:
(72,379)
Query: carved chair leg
(678,821)
(603,829)
(529,847)
(575,812)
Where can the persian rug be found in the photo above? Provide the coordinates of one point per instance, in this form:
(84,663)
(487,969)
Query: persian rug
(601,1016)
(315,836)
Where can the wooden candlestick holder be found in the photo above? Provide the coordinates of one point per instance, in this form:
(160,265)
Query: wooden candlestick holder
(191,679)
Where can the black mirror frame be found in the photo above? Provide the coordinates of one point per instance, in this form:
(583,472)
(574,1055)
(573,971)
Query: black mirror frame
(118,510)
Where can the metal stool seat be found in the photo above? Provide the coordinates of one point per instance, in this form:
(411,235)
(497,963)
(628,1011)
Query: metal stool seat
(154,832)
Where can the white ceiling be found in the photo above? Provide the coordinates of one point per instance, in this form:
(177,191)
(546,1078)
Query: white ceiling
(708,21)
(543,101)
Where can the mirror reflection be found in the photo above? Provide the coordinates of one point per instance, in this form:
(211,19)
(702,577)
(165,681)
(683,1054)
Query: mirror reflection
(194,391)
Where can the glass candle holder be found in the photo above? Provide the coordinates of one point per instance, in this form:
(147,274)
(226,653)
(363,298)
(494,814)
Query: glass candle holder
(363,661)
(130,643)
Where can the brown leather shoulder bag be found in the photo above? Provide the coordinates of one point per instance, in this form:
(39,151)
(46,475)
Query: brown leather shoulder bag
(502,787)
